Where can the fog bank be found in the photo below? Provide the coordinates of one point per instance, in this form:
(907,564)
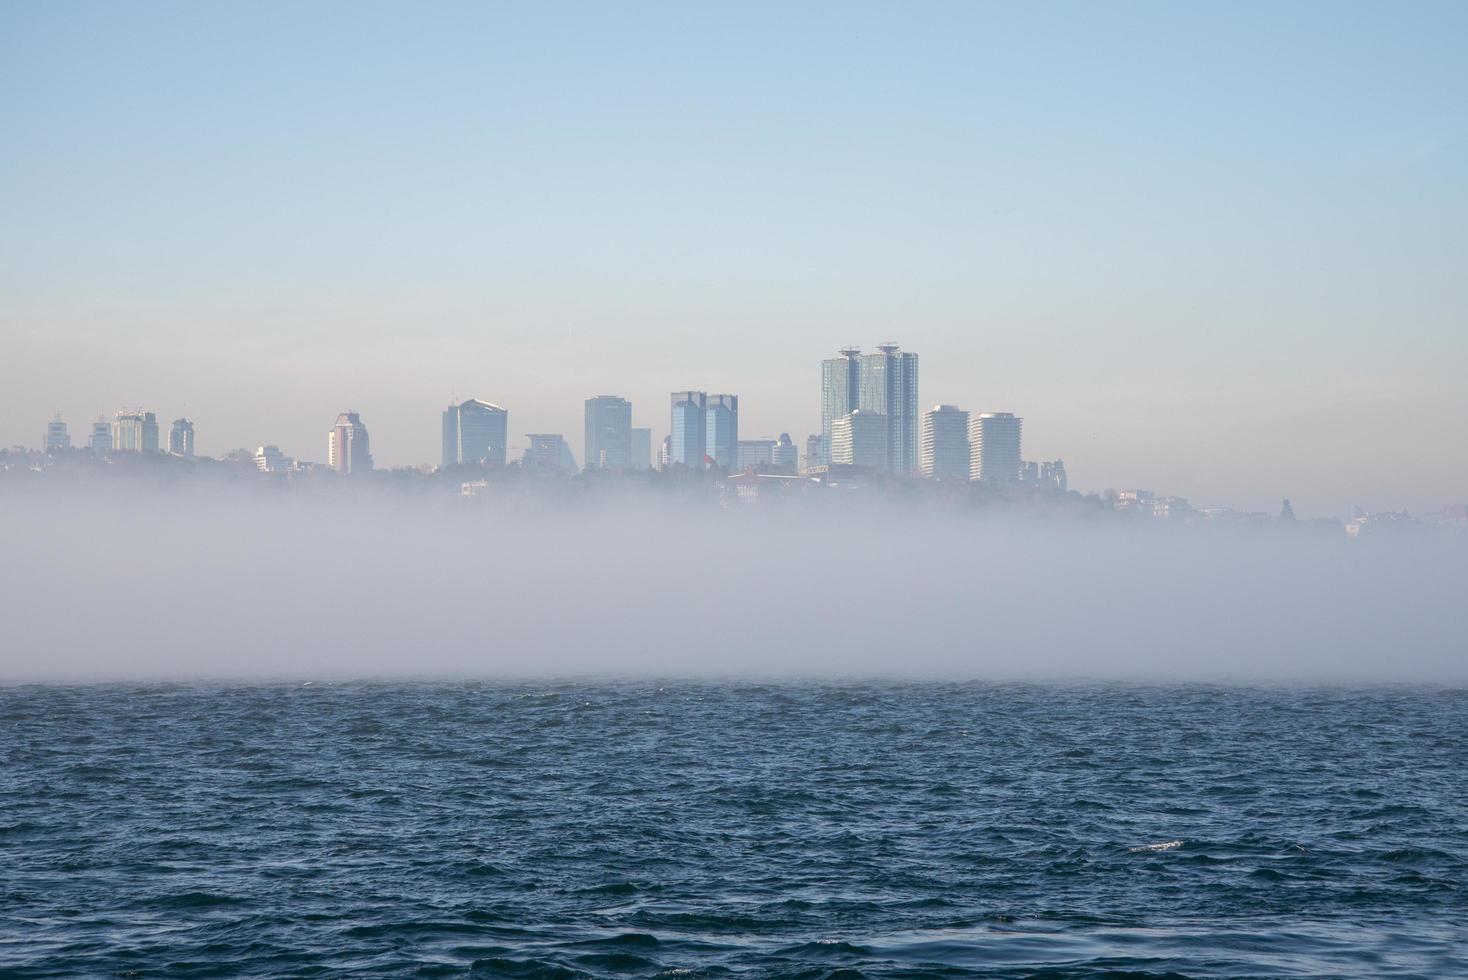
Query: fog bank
(153,585)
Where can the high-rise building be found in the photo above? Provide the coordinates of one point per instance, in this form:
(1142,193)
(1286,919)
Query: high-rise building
(859,438)
(608,433)
(475,432)
(884,383)
(689,437)
(784,457)
(815,453)
(348,450)
(548,452)
(771,455)
(944,450)
(721,442)
(269,459)
(641,458)
(665,453)
(181,438)
(101,441)
(889,386)
(57,438)
(757,453)
(135,431)
(994,451)
(840,393)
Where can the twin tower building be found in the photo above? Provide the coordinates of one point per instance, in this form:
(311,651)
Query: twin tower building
(870,419)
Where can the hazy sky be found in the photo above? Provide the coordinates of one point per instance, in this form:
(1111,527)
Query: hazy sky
(1215,250)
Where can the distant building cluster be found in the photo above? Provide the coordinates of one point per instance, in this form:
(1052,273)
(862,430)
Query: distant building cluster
(870,427)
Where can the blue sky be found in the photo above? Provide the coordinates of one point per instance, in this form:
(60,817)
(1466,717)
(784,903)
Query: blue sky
(1215,251)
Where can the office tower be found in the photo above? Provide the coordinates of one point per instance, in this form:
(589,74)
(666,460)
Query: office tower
(549,452)
(101,440)
(181,438)
(57,437)
(840,393)
(994,447)
(784,457)
(889,386)
(944,450)
(348,449)
(135,431)
(860,439)
(269,459)
(815,453)
(475,432)
(641,449)
(756,453)
(608,433)
(688,439)
(721,442)
(1052,474)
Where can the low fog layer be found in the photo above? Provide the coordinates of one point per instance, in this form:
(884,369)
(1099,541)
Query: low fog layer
(152,584)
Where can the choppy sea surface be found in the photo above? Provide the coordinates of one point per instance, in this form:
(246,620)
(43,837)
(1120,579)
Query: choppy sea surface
(732,830)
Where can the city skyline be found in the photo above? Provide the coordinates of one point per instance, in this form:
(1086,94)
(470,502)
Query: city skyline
(1240,283)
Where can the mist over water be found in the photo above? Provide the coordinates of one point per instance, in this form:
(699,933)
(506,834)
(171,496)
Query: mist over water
(175,583)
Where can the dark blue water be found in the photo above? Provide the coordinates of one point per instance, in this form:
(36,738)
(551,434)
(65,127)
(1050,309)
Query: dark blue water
(726,830)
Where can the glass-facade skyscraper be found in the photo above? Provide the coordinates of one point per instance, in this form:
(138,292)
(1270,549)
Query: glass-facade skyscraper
(840,392)
(688,436)
(721,441)
(884,383)
(608,433)
(181,438)
(475,432)
(889,386)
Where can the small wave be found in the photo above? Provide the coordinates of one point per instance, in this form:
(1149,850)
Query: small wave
(197,900)
(1165,845)
(529,969)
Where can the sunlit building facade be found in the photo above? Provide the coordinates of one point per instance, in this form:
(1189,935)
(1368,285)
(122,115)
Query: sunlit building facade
(348,448)
(860,439)
(135,431)
(269,459)
(994,447)
(943,453)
